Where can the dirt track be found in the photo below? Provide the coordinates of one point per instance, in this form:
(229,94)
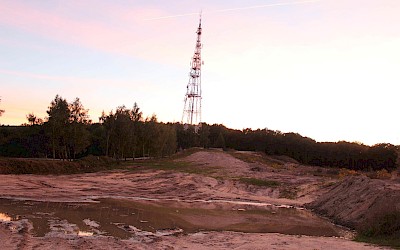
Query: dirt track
(220,184)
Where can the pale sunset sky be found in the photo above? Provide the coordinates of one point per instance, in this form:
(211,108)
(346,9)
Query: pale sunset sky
(327,69)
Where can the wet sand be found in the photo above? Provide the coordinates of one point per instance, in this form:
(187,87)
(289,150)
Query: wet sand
(112,217)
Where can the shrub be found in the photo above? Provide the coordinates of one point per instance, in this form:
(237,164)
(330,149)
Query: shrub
(383,230)
(259,182)
(383,174)
(346,172)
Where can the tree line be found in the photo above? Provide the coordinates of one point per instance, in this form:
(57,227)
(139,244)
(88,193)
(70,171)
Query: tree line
(305,150)
(68,133)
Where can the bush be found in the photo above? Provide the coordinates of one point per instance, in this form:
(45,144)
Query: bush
(346,172)
(384,230)
(383,174)
(386,225)
(380,174)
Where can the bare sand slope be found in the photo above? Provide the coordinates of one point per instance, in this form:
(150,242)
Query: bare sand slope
(230,164)
(297,181)
(356,200)
(167,184)
(124,184)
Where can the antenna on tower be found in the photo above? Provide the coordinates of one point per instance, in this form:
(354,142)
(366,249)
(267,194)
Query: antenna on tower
(192,109)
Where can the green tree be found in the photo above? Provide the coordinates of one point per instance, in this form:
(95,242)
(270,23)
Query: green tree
(167,141)
(78,134)
(204,134)
(67,126)
(122,131)
(118,127)
(108,122)
(98,135)
(220,142)
(150,136)
(57,124)
(186,135)
(121,135)
(57,121)
(136,118)
(33,120)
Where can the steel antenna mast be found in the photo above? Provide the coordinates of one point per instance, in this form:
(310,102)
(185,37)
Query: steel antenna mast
(192,109)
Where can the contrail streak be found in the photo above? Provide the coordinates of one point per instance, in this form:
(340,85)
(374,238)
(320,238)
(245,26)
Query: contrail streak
(267,5)
(236,9)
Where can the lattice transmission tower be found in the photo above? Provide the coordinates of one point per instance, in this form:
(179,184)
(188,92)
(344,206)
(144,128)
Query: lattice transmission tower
(192,109)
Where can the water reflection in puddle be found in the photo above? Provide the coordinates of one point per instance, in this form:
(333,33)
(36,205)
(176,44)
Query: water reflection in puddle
(83,233)
(124,218)
(5,217)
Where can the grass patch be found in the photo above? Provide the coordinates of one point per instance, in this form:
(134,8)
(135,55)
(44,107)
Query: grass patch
(288,193)
(249,158)
(259,182)
(164,164)
(49,166)
(384,230)
(381,241)
(89,164)
(326,172)
(255,157)
(185,153)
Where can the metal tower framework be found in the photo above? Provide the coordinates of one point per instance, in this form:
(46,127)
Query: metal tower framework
(192,109)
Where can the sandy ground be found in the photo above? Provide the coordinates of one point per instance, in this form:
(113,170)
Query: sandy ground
(221,184)
(367,200)
(167,184)
(203,240)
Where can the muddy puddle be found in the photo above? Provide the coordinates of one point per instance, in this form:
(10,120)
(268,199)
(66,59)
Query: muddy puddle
(124,218)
